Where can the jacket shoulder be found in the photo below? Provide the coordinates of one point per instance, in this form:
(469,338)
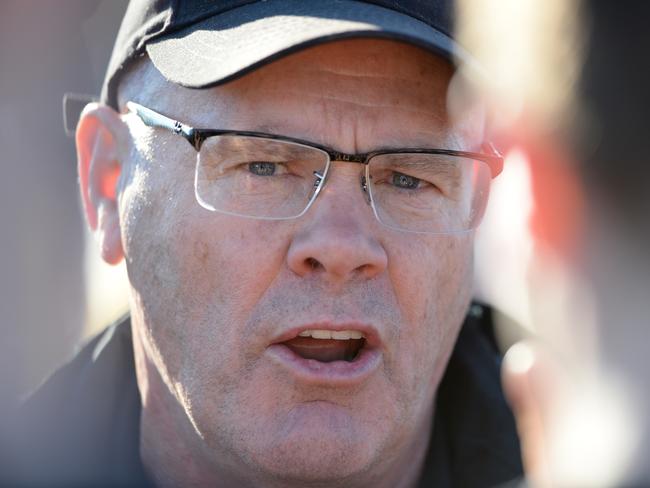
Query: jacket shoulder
(83,416)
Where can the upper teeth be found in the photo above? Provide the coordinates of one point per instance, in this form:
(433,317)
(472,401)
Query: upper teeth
(341,335)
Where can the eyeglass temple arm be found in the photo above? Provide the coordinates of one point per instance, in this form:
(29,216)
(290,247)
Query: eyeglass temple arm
(152,118)
(496,165)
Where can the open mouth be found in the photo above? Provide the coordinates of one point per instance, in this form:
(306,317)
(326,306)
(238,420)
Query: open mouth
(322,356)
(327,346)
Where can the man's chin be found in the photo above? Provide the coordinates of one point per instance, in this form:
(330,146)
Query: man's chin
(316,442)
(313,460)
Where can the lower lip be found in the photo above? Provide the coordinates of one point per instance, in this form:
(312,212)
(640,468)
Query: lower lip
(335,373)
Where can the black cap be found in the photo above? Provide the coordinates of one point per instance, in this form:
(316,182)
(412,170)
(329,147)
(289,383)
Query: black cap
(202,43)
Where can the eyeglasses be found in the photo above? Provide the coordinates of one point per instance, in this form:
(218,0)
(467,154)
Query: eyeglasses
(272,177)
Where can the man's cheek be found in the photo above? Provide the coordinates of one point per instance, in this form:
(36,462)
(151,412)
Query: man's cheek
(218,274)
(436,284)
(155,243)
(224,263)
(418,265)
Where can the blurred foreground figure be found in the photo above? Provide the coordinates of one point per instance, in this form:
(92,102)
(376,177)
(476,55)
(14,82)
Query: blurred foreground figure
(581,393)
(296,207)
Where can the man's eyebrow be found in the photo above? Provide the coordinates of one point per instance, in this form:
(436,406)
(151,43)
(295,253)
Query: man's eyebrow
(444,165)
(287,130)
(428,140)
(399,139)
(269,127)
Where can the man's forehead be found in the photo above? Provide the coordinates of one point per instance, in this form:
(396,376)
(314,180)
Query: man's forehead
(369,78)
(369,58)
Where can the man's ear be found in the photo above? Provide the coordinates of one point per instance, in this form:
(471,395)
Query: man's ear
(99,166)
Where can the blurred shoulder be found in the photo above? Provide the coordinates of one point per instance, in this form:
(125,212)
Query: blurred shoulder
(84,417)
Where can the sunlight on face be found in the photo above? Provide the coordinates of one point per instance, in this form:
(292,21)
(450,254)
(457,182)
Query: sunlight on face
(214,296)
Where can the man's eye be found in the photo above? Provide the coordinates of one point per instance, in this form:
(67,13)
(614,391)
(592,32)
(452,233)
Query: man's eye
(400,180)
(261,168)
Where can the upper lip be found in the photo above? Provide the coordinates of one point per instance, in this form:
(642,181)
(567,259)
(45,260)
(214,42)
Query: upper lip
(369,331)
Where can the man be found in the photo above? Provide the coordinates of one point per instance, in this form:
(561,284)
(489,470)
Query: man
(300,271)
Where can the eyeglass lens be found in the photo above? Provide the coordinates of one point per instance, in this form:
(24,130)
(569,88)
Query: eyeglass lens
(275,179)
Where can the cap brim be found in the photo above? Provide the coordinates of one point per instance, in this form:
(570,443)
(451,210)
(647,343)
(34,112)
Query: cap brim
(231,44)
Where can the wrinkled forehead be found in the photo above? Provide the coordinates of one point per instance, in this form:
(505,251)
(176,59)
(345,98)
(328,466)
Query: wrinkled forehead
(356,77)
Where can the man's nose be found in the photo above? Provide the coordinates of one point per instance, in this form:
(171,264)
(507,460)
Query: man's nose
(339,237)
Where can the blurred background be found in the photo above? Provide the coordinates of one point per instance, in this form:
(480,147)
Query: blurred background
(54,290)
(568,87)
(562,252)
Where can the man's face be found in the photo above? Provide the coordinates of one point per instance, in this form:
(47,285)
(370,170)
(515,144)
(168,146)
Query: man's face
(214,294)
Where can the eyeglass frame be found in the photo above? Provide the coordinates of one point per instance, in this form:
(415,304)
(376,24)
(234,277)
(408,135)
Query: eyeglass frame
(197,136)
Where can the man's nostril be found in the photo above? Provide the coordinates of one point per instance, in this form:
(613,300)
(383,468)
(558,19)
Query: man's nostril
(313,263)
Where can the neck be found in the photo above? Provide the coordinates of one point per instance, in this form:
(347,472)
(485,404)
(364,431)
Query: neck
(171,450)
(406,469)
(172,455)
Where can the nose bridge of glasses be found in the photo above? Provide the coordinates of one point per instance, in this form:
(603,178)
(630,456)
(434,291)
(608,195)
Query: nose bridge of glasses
(348,158)
(361,161)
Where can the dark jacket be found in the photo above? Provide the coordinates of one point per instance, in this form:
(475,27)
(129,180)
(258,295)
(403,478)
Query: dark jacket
(81,428)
